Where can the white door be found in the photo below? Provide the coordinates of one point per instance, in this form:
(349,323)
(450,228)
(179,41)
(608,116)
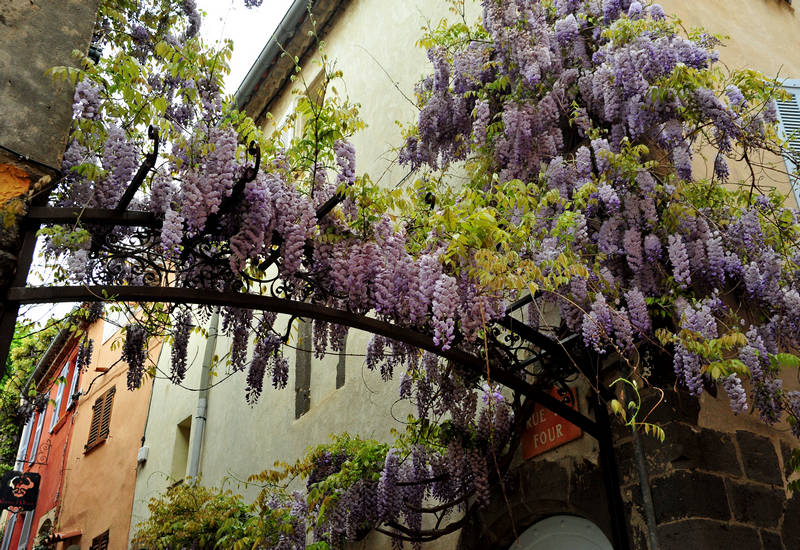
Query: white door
(563,533)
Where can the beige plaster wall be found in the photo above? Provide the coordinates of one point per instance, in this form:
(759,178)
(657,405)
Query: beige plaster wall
(373,42)
(169,405)
(99,484)
(762,35)
(34,37)
(241,439)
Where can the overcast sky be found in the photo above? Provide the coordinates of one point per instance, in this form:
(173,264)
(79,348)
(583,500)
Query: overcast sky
(249,28)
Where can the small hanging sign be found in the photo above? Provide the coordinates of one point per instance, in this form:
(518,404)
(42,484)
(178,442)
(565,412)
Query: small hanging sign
(19,491)
(546,430)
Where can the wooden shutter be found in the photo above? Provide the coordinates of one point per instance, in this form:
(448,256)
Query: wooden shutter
(100,542)
(101,419)
(789,118)
(105,423)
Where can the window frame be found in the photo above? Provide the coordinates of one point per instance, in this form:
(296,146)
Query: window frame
(11,524)
(22,453)
(73,385)
(25,535)
(37,436)
(100,542)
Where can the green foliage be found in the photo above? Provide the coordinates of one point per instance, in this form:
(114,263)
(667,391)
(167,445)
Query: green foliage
(629,413)
(451,36)
(360,460)
(27,347)
(189,515)
(794,466)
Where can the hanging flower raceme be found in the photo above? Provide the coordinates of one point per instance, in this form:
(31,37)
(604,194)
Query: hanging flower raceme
(134,352)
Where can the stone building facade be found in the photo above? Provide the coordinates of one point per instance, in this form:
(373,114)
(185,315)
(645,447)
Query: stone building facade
(713,484)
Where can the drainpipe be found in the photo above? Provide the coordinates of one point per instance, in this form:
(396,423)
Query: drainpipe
(199,424)
(644,481)
(647,496)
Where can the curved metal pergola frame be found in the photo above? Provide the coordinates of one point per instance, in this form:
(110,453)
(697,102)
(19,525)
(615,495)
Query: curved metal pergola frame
(512,377)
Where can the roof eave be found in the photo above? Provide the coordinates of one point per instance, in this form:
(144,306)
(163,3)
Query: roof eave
(276,62)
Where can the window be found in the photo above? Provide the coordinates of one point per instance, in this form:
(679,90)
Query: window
(341,365)
(37,435)
(100,542)
(26,531)
(180,451)
(71,400)
(789,119)
(101,420)
(113,319)
(303,360)
(59,396)
(12,522)
(23,445)
(45,529)
(315,94)
(294,122)
(302,369)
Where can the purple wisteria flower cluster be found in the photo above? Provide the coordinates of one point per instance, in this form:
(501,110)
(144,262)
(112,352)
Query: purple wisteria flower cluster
(579,123)
(607,103)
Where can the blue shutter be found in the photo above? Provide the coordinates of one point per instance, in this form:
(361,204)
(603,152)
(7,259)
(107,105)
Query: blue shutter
(74,384)
(789,120)
(10,524)
(59,396)
(23,445)
(38,435)
(26,531)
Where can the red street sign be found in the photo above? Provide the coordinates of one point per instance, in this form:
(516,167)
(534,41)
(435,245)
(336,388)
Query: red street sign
(546,430)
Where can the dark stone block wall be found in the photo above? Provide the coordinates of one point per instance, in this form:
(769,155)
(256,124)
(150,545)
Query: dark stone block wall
(711,489)
(34,37)
(533,491)
(36,110)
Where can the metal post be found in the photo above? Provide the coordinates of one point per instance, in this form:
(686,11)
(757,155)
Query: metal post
(10,309)
(608,464)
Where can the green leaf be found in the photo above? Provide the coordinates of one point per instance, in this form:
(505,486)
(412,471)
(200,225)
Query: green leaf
(787,360)
(160,105)
(618,409)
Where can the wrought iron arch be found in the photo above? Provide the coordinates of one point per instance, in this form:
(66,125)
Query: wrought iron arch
(515,345)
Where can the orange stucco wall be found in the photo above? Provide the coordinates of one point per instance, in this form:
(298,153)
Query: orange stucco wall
(13,182)
(49,458)
(99,486)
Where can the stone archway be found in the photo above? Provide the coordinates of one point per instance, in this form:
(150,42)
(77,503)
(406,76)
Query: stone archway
(562,531)
(534,491)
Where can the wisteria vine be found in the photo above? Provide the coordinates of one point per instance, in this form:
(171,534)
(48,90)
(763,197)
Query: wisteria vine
(581,124)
